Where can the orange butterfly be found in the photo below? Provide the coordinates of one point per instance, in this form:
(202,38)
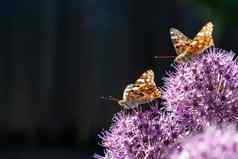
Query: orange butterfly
(187,48)
(142,91)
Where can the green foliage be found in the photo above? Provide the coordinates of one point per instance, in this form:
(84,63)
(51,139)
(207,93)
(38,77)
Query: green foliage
(226,10)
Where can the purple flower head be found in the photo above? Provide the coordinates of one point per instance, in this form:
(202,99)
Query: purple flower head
(204,90)
(148,135)
(214,143)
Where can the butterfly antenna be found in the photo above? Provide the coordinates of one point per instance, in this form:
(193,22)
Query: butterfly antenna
(110,98)
(163,57)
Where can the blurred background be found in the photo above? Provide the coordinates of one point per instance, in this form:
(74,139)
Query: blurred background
(58,57)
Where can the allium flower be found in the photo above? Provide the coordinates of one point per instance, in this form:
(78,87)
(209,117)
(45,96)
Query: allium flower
(214,143)
(148,135)
(204,90)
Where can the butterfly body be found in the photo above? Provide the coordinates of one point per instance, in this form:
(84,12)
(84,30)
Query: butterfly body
(144,90)
(187,48)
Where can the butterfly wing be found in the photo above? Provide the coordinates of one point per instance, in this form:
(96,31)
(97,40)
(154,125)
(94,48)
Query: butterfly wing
(131,95)
(130,92)
(202,40)
(205,32)
(179,40)
(146,78)
(142,91)
(138,90)
(147,86)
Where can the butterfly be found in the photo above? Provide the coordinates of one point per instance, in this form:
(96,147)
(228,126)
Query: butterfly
(187,48)
(142,91)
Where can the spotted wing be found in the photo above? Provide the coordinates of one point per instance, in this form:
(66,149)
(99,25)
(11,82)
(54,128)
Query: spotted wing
(147,78)
(146,86)
(129,93)
(144,89)
(203,39)
(179,40)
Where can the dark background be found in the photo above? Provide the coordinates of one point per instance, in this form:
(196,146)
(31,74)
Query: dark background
(58,57)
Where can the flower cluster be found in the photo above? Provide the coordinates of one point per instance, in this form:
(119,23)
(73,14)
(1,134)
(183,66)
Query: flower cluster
(200,93)
(204,90)
(149,134)
(213,143)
